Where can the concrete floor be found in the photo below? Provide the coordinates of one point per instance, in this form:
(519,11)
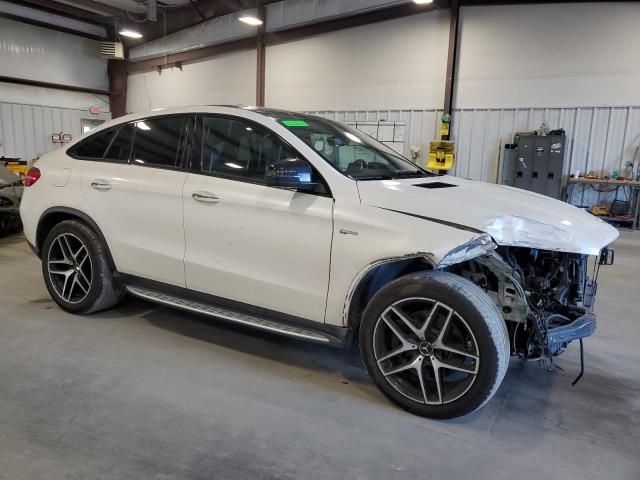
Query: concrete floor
(147,392)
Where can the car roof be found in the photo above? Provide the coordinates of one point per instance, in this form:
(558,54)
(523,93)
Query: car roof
(273,113)
(264,111)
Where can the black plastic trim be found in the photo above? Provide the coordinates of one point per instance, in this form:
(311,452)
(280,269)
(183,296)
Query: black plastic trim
(434,185)
(435,220)
(340,336)
(34,249)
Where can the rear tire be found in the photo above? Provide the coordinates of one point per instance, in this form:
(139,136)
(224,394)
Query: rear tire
(435,344)
(77,270)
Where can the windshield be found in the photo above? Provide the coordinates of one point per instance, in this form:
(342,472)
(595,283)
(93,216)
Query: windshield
(352,152)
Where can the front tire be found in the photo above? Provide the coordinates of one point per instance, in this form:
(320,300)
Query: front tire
(76,269)
(435,344)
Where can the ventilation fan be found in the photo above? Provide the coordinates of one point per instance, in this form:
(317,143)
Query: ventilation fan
(113,50)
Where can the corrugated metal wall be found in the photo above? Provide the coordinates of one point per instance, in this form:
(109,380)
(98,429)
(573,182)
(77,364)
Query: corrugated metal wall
(598,138)
(25,130)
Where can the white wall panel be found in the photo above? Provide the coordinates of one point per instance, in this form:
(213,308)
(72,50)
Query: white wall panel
(396,64)
(224,79)
(598,138)
(46,55)
(25,130)
(549,55)
(15,93)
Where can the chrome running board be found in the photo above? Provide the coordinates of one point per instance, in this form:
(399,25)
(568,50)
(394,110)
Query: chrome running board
(230,315)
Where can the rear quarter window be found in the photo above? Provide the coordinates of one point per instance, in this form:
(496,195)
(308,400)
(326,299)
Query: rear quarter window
(94,147)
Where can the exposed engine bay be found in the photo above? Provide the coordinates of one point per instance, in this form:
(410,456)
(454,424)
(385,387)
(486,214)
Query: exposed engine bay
(547,297)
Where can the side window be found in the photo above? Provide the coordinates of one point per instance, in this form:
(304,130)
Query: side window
(235,149)
(158,141)
(93,148)
(121,146)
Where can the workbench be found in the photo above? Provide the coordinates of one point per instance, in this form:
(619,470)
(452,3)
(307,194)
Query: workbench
(633,185)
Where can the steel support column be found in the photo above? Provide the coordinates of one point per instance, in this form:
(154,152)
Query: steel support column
(260,56)
(451,59)
(117,70)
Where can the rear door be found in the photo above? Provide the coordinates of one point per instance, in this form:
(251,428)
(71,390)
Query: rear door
(134,193)
(259,245)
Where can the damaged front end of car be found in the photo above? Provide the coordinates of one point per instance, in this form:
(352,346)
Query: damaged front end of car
(546,296)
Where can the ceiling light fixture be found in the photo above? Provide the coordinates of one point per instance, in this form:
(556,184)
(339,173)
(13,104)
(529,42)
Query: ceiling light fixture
(130,33)
(422,2)
(250,20)
(232,165)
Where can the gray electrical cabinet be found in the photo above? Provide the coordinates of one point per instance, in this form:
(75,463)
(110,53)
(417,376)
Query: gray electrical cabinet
(509,159)
(538,163)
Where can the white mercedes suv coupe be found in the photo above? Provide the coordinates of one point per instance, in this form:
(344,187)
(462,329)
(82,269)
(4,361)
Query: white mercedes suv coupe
(306,227)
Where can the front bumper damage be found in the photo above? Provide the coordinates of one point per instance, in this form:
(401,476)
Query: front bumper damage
(559,337)
(546,297)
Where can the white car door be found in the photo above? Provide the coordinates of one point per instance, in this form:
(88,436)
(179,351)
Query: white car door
(248,242)
(135,196)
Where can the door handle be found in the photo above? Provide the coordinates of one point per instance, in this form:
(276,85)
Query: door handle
(206,197)
(101,185)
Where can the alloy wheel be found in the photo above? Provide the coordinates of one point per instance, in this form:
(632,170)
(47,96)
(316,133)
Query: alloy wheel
(426,351)
(69,267)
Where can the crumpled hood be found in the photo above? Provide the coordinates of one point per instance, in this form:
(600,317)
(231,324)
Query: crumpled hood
(473,204)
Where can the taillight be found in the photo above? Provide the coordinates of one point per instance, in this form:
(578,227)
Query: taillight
(33,175)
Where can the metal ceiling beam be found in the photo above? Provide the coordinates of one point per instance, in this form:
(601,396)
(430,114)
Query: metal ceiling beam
(195,5)
(487,3)
(63,10)
(50,26)
(57,86)
(96,7)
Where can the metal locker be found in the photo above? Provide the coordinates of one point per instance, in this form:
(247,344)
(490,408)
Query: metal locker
(509,160)
(524,164)
(536,164)
(555,166)
(540,163)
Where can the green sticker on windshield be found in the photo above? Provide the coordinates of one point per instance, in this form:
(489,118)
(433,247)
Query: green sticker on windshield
(294,123)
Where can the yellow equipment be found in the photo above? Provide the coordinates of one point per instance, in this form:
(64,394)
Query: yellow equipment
(599,210)
(441,156)
(19,167)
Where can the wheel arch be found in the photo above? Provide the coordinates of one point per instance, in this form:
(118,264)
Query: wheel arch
(375,276)
(54,215)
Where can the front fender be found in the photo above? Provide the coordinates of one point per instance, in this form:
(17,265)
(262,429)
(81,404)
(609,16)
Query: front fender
(366,237)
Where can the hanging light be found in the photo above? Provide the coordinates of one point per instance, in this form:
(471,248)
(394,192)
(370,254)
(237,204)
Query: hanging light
(250,20)
(130,33)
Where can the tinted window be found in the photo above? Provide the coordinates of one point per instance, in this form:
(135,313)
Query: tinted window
(94,146)
(158,141)
(121,146)
(235,149)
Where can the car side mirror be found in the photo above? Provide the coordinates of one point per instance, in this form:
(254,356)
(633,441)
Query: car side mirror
(292,173)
